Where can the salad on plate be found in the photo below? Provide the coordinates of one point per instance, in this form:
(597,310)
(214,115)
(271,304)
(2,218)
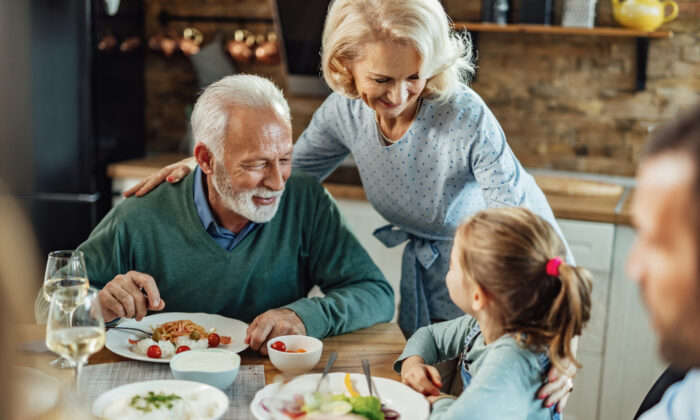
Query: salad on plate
(313,404)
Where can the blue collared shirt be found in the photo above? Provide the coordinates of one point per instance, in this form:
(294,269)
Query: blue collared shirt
(224,237)
(680,401)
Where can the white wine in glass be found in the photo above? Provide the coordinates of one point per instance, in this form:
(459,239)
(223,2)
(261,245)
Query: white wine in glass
(78,335)
(65,270)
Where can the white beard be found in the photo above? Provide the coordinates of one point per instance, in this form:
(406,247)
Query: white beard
(241,202)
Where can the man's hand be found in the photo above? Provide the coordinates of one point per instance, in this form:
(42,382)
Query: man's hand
(421,377)
(271,324)
(124,297)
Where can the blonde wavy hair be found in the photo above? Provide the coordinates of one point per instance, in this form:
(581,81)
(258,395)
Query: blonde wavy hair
(506,250)
(446,56)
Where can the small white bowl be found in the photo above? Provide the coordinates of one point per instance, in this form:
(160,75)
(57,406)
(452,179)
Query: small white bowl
(295,362)
(215,367)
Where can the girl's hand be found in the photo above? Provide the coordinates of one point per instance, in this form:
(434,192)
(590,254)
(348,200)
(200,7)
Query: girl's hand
(424,379)
(171,173)
(558,387)
(431,399)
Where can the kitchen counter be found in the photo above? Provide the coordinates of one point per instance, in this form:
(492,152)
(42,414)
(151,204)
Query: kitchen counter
(570,197)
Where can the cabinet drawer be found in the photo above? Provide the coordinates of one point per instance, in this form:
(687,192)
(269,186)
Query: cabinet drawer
(583,403)
(590,242)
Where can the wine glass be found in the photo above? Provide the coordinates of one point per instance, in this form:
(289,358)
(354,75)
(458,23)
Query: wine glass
(65,270)
(78,333)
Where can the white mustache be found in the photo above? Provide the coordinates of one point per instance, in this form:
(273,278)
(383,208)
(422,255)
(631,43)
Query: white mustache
(265,192)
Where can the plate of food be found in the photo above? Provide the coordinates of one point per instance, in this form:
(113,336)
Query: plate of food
(172,332)
(340,394)
(164,399)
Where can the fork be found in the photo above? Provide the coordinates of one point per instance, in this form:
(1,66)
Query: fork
(331,360)
(368,376)
(129,328)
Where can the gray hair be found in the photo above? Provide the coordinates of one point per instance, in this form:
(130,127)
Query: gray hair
(211,112)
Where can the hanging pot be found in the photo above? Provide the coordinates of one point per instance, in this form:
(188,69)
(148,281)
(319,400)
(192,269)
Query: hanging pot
(163,43)
(191,39)
(107,43)
(130,44)
(240,46)
(268,51)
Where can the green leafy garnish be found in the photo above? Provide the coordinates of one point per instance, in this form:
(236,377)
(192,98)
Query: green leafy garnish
(153,401)
(369,407)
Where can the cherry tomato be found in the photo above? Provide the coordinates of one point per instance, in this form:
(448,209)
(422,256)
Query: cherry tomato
(214,340)
(181,349)
(154,352)
(279,346)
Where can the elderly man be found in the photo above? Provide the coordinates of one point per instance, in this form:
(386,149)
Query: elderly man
(664,259)
(243,236)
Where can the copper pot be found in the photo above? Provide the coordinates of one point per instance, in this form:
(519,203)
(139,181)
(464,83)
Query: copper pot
(241,46)
(240,52)
(161,42)
(130,44)
(191,39)
(268,51)
(107,43)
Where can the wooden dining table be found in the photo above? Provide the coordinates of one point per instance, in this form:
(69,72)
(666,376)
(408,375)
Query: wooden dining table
(381,344)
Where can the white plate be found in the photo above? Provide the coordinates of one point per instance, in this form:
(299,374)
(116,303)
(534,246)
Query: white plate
(410,404)
(168,386)
(37,392)
(118,340)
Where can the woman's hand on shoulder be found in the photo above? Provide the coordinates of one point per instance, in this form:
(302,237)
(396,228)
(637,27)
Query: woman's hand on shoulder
(172,173)
(421,377)
(558,387)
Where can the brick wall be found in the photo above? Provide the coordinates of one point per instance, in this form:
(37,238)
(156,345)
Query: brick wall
(171,83)
(568,102)
(565,102)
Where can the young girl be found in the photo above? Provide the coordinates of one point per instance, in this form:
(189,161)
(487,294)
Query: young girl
(524,305)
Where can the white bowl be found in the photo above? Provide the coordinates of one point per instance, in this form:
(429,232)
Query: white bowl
(295,362)
(215,367)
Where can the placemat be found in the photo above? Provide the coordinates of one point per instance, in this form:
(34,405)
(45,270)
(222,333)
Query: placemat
(97,379)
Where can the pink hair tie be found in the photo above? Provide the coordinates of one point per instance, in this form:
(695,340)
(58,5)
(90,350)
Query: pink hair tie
(553,266)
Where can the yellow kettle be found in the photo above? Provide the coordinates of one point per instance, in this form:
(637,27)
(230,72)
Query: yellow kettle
(643,15)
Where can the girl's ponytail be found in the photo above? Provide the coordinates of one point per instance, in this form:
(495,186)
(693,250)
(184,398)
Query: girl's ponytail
(569,313)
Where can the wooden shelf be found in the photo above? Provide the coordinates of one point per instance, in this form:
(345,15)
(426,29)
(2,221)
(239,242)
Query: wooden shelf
(559,30)
(641,37)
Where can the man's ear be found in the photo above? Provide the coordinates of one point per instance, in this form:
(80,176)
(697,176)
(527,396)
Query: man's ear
(204,158)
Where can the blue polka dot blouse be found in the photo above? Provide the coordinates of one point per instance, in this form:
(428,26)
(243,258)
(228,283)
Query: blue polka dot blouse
(453,161)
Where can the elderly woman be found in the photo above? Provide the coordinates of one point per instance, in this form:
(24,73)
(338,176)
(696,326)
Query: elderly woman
(428,149)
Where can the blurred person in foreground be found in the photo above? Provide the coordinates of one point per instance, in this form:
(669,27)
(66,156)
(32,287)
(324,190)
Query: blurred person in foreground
(664,258)
(243,236)
(19,271)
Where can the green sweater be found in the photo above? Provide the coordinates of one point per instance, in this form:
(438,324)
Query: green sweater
(307,243)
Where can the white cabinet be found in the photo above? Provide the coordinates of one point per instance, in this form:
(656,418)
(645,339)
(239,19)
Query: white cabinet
(363,220)
(592,245)
(631,363)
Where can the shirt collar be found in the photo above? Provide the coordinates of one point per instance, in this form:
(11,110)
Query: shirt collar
(202,205)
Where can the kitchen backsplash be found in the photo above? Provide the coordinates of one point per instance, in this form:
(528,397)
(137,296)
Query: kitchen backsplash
(565,102)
